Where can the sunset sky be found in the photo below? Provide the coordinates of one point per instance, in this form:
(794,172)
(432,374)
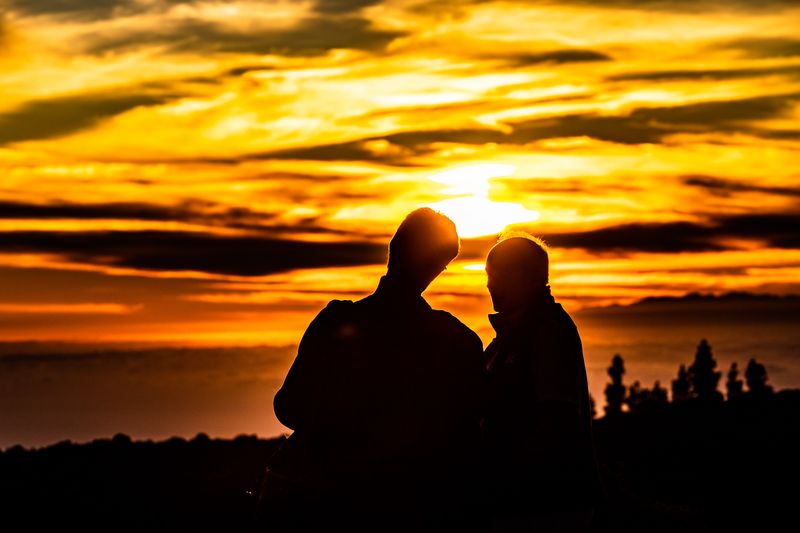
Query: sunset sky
(209,174)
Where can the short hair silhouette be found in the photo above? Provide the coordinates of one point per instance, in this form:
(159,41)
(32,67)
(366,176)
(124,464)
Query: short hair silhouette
(524,251)
(425,242)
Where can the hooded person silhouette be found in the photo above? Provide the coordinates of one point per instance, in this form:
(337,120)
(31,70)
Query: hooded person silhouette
(542,472)
(384,398)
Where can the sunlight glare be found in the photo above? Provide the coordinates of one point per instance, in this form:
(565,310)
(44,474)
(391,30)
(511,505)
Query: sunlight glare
(472,211)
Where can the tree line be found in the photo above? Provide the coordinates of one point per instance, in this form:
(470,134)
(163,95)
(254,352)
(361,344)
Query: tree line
(698,383)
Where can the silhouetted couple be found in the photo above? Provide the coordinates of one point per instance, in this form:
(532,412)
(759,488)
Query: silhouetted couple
(402,423)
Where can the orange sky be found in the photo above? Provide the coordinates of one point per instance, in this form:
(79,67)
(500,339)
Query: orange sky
(213,172)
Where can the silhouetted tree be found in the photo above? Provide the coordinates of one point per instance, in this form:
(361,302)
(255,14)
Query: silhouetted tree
(756,376)
(734,384)
(634,399)
(659,394)
(592,407)
(615,391)
(702,376)
(680,386)
(641,399)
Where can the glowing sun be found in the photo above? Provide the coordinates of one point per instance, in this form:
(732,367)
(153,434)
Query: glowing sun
(471,209)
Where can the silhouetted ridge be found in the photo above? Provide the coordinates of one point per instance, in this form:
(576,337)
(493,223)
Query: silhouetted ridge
(733,296)
(699,297)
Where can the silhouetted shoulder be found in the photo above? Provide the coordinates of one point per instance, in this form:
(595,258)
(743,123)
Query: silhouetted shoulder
(457,328)
(334,311)
(294,402)
(336,306)
(326,321)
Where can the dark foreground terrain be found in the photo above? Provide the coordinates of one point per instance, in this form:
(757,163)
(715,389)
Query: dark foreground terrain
(676,467)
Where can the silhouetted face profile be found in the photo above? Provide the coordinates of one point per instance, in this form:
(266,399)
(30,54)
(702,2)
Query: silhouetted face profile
(423,245)
(517,273)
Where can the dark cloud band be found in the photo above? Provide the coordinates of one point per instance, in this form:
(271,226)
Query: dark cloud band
(725,187)
(331,24)
(778,230)
(105,9)
(313,36)
(772,230)
(87,9)
(177,251)
(255,255)
(557,57)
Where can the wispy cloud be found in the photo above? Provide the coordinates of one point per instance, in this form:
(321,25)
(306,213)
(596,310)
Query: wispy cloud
(727,187)
(313,36)
(555,57)
(765,47)
(686,5)
(639,126)
(711,74)
(56,117)
(69,308)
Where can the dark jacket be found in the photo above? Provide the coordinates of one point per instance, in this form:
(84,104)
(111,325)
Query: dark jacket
(537,428)
(384,394)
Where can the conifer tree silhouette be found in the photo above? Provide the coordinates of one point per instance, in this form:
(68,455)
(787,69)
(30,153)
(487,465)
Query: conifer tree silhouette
(702,376)
(680,386)
(641,399)
(734,384)
(615,391)
(635,398)
(756,376)
(659,394)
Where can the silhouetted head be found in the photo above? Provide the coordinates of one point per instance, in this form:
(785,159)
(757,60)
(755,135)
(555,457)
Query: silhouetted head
(517,270)
(423,245)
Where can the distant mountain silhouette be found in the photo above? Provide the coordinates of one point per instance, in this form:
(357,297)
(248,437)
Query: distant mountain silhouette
(733,296)
(726,307)
(695,297)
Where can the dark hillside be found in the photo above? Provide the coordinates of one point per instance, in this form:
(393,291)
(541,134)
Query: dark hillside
(674,467)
